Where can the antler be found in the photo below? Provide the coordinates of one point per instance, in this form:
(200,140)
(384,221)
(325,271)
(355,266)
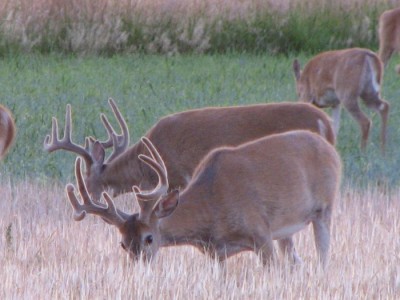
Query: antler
(108,212)
(157,164)
(53,142)
(119,142)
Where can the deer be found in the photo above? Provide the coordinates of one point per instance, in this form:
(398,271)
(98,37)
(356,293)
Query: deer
(337,78)
(239,199)
(183,139)
(7,131)
(389,35)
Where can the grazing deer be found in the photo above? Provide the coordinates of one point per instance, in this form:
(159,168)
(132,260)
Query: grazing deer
(7,130)
(240,198)
(338,78)
(389,35)
(183,139)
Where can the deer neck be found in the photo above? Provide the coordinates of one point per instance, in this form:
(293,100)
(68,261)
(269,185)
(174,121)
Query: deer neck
(190,223)
(125,171)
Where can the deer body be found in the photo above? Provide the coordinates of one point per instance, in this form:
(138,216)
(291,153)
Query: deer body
(389,34)
(338,78)
(183,139)
(240,198)
(7,130)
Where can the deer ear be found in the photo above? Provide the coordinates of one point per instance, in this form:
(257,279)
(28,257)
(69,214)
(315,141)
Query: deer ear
(98,153)
(296,69)
(167,204)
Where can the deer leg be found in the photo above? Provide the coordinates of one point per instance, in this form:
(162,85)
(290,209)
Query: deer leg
(264,247)
(336,111)
(373,101)
(385,53)
(287,248)
(352,106)
(321,226)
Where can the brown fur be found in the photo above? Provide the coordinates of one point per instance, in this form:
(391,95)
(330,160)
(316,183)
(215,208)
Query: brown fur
(389,34)
(7,130)
(183,139)
(240,198)
(338,78)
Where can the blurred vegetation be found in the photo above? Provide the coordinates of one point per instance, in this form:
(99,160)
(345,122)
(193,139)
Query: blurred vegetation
(107,27)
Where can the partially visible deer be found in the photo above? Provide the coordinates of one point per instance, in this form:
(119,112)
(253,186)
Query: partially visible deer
(240,198)
(389,35)
(338,78)
(7,130)
(183,139)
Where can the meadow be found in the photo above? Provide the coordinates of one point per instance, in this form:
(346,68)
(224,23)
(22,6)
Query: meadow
(214,53)
(44,252)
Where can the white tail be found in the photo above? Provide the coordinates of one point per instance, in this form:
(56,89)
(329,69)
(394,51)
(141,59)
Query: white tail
(389,35)
(7,130)
(182,139)
(240,198)
(338,78)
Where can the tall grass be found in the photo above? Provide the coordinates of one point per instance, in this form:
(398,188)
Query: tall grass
(177,26)
(45,254)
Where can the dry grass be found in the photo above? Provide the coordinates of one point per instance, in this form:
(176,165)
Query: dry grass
(166,26)
(45,254)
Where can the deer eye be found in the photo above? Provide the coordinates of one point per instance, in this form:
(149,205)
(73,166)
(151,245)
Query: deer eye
(148,240)
(123,246)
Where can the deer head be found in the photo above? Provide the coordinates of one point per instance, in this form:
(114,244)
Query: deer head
(139,231)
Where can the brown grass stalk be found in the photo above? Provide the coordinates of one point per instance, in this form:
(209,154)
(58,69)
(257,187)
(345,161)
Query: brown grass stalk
(45,254)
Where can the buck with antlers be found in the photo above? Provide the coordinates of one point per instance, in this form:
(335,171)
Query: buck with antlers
(240,198)
(338,78)
(183,139)
(7,130)
(389,35)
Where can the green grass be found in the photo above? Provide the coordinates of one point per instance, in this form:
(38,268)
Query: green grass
(147,87)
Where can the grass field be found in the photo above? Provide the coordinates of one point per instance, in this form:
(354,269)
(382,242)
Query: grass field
(145,88)
(43,252)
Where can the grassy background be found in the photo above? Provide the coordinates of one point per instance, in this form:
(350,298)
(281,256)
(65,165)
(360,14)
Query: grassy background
(168,26)
(147,87)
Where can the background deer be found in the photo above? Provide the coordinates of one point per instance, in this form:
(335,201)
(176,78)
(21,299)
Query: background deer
(338,78)
(7,130)
(389,35)
(183,139)
(240,198)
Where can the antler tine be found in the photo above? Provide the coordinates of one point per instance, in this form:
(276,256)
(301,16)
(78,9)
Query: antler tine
(53,142)
(108,212)
(119,142)
(157,164)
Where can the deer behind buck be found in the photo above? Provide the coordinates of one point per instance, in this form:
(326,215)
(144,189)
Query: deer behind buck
(7,130)
(183,139)
(338,78)
(389,35)
(239,199)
